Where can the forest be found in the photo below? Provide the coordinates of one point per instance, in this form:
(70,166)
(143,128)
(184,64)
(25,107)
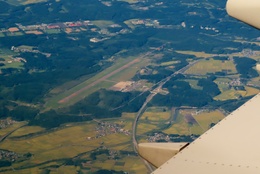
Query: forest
(74,58)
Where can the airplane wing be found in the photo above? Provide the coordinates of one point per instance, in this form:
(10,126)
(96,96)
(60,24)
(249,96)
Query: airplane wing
(231,146)
(247,11)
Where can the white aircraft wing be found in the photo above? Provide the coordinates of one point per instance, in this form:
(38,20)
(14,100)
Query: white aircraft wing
(230,147)
(247,11)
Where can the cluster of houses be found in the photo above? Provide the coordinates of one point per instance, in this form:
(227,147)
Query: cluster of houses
(107,128)
(158,137)
(18,49)
(9,156)
(6,123)
(161,137)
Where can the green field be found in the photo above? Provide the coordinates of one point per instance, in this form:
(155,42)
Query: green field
(102,23)
(9,61)
(53,31)
(128,73)
(212,66)
(52,147)
(169,63)
(235,94)
(193,84)
(197,54)
(15,34)
(204,119)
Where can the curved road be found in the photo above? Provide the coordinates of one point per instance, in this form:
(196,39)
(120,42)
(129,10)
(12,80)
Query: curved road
(148,99)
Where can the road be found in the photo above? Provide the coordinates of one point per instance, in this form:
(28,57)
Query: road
(9,133)
(148,99)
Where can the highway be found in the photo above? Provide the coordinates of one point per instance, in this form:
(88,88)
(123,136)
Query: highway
(148,99)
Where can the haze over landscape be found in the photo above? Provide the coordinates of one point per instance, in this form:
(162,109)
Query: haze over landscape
(83,81)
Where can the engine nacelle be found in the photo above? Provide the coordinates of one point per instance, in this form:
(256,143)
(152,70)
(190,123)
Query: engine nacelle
(247,11)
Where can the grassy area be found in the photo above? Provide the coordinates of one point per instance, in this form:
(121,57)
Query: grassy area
(52,31)
(193,84)
(14,34)
(180,127)
(102,23)
(251,91)
(156,116)
(130,163)
(12,127)
(26,171)
(27,130)
(157,109)
(129,24)
(206,118)
(26,47)
(197,54)
(129,72)
(143,128)
(223,84)
(230,94)
(235,94)
(9,61)
(67,142)
(212,66)
(169,63)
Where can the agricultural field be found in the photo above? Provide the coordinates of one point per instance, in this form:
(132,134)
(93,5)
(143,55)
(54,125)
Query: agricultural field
(69,141)
(212,66)
(27,130)
(199,123)
(155,116)
(169,63)
(14,33)
(181,127)
(8,60)
(37,32)
(53,31)
(197,54)
(235,94)
(193,83)
(205,119)
(11,128)
(102,23)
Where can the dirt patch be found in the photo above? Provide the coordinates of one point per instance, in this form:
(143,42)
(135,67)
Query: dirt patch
(13,29)
(121,85)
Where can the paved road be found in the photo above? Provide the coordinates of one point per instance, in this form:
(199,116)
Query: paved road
(148,99)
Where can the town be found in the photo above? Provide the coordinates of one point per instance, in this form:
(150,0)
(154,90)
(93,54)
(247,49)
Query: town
(107,128)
